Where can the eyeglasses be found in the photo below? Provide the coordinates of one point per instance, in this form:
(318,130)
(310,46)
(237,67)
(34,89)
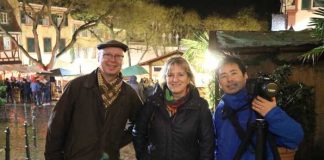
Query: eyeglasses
(111,57)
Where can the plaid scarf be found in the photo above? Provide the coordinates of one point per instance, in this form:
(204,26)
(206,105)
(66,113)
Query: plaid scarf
(109,90)
(172,104)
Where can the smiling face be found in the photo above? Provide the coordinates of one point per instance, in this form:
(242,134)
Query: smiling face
(111,61)
(177,80)
(231,78)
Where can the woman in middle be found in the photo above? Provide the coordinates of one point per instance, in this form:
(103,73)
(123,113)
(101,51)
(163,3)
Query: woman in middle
(175,123)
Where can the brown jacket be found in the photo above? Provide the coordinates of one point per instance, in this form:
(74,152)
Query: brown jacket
(81,128)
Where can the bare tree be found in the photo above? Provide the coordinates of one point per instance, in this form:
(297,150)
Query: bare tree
(36,14)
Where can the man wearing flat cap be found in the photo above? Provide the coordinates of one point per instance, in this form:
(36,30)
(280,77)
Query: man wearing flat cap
(94,116)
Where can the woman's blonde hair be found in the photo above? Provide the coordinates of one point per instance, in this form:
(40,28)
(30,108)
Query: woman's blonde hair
(183,63)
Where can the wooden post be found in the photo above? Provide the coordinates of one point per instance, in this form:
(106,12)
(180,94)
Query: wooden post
(7,147)
(25,113)
(34,130)
(26,143)
(16,115)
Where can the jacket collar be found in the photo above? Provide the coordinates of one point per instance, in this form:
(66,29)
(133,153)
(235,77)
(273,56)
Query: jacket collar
(91,80)
(238,100)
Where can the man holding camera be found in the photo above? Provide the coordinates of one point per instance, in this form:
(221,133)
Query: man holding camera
(237,110)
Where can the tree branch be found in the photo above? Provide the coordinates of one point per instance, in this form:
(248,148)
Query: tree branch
(85,26)
(96,35)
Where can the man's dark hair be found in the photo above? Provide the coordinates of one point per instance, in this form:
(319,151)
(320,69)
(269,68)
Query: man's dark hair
(230,59)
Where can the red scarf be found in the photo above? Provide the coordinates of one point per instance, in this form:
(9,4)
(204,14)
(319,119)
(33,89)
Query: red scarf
(173,105)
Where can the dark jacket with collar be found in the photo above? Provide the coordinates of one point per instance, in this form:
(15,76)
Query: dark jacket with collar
(81,128)
(186,135)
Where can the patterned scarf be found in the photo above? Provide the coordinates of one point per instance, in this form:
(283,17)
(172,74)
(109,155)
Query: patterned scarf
(109,90)
(172,104)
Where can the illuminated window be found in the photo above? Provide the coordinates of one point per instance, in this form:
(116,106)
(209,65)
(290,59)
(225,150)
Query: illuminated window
(45,21)
(28,19)
(59,19)
(6,43)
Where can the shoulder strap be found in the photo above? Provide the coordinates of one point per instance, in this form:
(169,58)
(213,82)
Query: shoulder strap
(231,115)
(245,137)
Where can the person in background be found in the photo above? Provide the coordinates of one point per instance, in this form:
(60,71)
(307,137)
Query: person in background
(148,87)
(93,118)
(236,103)
(35,88)
(9,91)
(137,87)
(27,91)
(175,122)
(47,92)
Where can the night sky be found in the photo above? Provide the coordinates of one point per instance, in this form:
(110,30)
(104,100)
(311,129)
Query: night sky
(226,8)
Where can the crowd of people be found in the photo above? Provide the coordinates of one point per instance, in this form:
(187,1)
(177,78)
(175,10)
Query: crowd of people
(26,90)
(99,113)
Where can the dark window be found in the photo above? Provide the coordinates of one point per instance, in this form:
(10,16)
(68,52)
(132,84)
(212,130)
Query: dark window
(157,69)
(22,17)
(62,44)
(318,3)
(1,43)
(306,4)
(47,45)
(30,44)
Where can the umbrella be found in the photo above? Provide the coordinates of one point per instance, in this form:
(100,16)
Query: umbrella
(58,72)
(134,70)
(63,72)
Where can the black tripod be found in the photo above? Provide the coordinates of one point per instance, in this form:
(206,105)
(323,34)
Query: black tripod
(259,127)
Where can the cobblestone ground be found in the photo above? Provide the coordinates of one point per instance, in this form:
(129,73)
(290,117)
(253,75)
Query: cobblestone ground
(14,116)
(128,153)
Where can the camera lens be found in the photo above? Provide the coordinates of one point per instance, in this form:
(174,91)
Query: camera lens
(271,89)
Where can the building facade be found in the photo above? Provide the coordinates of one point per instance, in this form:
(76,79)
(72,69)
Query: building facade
(9,52)
(82,57)
(299,12)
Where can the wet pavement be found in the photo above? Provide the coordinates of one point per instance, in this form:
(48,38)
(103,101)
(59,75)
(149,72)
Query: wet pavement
(14,116)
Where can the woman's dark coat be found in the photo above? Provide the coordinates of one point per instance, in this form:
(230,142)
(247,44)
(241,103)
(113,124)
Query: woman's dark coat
(80,128)
(188,135)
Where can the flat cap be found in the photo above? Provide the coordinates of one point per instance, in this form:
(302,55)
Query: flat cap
(113,43)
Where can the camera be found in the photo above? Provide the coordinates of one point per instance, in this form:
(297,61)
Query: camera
(262,86)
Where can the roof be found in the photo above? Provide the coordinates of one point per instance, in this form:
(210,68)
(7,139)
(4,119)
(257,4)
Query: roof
(247,41)
(20,68)
(157,59)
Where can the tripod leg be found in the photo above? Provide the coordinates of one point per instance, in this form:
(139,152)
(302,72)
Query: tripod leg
(244,144)
(260,139)
(273,147)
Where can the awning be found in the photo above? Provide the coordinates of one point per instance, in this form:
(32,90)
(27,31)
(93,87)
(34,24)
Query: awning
(59,72)
(248,41)
(20,68)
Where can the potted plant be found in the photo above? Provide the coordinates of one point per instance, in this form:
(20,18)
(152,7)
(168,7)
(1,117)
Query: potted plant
(2,94)
(291,98)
